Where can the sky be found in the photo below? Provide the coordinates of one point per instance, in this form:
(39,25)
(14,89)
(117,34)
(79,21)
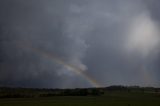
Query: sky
(79,43)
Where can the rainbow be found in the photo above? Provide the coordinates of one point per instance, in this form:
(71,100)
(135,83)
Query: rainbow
(60,61)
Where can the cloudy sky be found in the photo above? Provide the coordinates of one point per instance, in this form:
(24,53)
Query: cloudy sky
(74,43)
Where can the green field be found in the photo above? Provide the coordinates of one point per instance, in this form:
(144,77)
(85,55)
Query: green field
(115,98)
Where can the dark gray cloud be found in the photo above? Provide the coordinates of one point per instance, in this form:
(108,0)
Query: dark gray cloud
(116,42)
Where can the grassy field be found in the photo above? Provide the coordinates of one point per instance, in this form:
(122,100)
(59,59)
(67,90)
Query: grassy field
(108,99)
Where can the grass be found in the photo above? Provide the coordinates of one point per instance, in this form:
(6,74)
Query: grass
(115,98)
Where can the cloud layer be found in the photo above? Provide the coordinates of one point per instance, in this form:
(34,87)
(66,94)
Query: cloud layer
(116,42)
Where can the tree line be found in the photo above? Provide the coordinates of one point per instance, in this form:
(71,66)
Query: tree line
(6,92)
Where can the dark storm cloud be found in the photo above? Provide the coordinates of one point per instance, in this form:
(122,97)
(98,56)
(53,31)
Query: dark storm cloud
(39,24)
(113,63)
(97,36)
(153,7)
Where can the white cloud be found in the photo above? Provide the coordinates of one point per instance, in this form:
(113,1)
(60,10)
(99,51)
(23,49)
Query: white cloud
(142,35)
